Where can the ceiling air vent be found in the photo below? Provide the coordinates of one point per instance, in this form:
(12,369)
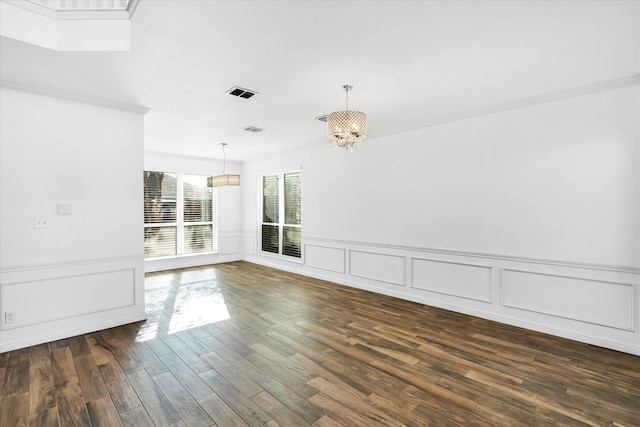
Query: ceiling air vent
(253,129)
(323,118)
(241,92)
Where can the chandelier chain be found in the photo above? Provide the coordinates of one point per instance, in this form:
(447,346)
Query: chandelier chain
(346,89)
(347,99)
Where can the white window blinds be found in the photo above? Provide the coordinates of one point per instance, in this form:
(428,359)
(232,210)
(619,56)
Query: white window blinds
(281,214)
(160,214)
(292,215)
(198,214)
(178,214)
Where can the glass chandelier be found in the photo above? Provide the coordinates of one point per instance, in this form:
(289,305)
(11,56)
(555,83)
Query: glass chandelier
(347,129)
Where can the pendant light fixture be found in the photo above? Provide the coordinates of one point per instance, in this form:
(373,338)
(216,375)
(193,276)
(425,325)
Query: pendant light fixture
(225,178)
(347,129)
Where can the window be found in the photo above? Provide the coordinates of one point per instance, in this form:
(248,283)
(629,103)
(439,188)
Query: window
(281,214)
(178,214)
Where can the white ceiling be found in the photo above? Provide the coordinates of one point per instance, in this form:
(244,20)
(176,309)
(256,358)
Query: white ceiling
(412,63)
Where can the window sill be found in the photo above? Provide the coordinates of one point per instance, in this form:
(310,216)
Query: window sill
(280,257)
(181,261)
(170,257)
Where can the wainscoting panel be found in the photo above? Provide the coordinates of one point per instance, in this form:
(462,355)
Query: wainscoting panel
(587,300)
(59,298)
(452,278)
(592,303)
(377,266)
(42,303)
(249,245)
(324,258)
(229,245)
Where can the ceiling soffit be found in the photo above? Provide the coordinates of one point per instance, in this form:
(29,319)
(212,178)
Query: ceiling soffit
(69,25)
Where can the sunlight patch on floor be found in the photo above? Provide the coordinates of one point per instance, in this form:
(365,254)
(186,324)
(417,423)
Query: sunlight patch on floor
(196,305)
(180,302)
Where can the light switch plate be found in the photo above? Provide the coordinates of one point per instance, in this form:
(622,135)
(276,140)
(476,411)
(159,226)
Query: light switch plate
(65,209)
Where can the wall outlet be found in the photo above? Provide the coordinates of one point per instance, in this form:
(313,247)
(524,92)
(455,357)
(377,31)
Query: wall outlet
(39,222)
(9,318)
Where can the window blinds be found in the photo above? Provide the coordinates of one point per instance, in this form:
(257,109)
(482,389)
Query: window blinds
(197,214)
(160,214)
(281,214)
(178,214)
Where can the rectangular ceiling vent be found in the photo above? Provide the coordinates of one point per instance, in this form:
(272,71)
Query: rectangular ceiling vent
(241,92)
(253,129)
(323,118)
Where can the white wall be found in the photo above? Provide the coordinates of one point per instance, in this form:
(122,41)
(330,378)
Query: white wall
(528,216)
(85,271)
(227,205)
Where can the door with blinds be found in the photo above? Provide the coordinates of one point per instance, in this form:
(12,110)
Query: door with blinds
(282,214)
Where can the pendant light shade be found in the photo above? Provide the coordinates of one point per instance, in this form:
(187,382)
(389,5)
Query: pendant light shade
(224,179)
(347,129)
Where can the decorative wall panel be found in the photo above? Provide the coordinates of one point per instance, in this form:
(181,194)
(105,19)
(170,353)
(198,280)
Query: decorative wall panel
(41,302)
(587,300)
(229,245)
(377,266)
(63,297)
(324,258)
(249,245)
(452,278)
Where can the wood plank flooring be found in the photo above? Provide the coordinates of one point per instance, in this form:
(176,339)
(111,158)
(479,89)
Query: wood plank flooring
(239,344)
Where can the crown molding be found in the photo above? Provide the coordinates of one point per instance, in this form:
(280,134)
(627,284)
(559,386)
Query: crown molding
(86,99)
(189,157)
(525,102)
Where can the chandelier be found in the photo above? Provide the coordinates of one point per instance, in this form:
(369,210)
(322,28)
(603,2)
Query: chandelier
(347,129)
(225,178)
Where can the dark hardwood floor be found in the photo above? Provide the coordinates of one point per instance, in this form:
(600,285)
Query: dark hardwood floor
(244,345)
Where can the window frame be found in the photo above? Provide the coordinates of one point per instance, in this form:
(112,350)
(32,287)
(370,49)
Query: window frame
(180,222)
(281,224)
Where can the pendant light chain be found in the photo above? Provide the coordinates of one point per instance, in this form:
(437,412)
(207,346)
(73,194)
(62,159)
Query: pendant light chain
(224,159)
